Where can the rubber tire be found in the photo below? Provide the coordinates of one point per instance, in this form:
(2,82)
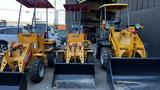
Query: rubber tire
(51,58)
(104,57)
(34,72)
(5,44)
(90,58)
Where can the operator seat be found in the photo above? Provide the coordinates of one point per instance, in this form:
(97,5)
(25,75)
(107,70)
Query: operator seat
(116,23)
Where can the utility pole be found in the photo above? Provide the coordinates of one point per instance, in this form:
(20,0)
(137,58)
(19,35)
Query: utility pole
(55,13)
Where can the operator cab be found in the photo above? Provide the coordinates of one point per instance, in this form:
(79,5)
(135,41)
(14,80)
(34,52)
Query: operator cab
(110,15)
(77,29)
(26,30)
(114,22)
(117,23)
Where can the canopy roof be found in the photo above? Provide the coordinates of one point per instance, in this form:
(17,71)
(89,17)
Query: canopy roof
(114,7)
(76,7)
(40,3)
(103,1)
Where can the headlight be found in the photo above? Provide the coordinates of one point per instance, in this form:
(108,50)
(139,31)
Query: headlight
(107,26)
(85,43)
(34,45)
(138,26)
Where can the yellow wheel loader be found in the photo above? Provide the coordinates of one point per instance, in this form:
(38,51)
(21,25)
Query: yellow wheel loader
(121,51)
(32,52)
(74,65)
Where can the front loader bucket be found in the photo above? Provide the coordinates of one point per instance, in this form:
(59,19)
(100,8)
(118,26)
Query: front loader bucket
(74,75)
(13,81)
(134,74)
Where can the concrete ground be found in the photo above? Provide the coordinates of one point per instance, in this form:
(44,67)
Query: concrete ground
(100,80)
(101,83)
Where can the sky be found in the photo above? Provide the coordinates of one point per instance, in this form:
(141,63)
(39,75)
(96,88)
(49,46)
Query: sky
(9,11)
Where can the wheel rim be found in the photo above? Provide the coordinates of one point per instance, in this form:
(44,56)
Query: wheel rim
(3,48)
(41,70)
(101,57)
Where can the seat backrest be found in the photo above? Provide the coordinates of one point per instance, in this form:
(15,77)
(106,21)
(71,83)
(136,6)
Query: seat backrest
(31,38)
(77,29)
(76,37)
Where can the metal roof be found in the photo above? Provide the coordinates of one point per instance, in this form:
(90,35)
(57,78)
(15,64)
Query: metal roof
(76,7)
(40,3)
(82,1)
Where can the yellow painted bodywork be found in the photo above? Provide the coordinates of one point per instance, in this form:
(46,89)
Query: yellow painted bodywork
(114,7)
(32,47)
(75,49)
(126,43)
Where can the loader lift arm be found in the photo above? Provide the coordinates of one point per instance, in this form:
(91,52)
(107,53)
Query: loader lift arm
(128,66)
(29,52)
(74,66)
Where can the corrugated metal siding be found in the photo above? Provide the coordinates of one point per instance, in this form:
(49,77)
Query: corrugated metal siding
(147,12)
(69,15)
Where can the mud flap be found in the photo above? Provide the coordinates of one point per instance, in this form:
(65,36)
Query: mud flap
(74,75)
(13,81)
(136,73)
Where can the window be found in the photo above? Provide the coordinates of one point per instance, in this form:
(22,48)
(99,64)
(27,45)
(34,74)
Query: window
(40,28)
(1,31)
(4,31)
(11,31)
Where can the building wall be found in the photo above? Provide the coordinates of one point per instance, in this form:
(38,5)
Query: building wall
(60,15)
(9,11)
(147,12)
(89,19)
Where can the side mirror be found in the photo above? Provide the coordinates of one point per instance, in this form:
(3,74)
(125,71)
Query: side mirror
(139,26)
(107,26)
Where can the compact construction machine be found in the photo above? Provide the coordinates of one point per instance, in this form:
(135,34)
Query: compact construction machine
(32,52)
(121,51)
(74,66)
